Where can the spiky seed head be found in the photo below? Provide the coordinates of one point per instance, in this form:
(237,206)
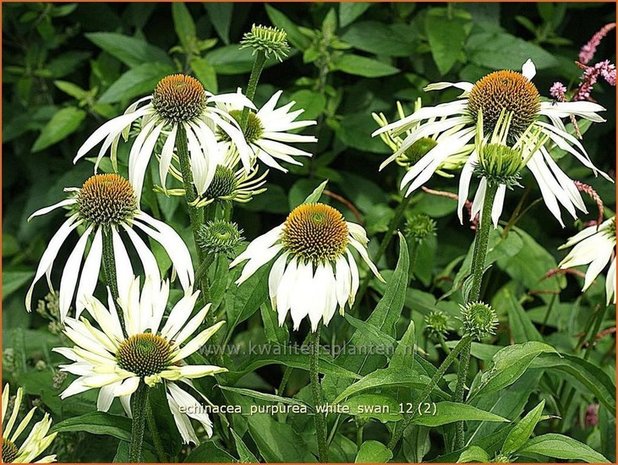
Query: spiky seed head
(500,164)
(315,232)
(224,183)
(417,150)
(269,40)
(144,354)
(420,226)
(437,324)
(179,98)
(509,91)
(219,237)
(106,199)
(253,131)
(479,320)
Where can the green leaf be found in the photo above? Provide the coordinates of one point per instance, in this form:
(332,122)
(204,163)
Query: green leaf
(313,103)
(373,452)
(137,81)
(296,38)
(499,50)
(209,452)
(561,447)
(446,32)
(450,412)
(129,50)
(397,40)
(264,396)
(378,406)
(244,300)
(275,333)
(71,89)
(362,66)
(509,364)
(184,25)
(583,374)
(523,429)
(231,60)
(63,123)
(14,280)
(316,194)
(522,328)
(404,353)
(221,18)
(206,73)
(244,453)
(348,12)
(101,423)
(474,454)
(382,378)
(278,442)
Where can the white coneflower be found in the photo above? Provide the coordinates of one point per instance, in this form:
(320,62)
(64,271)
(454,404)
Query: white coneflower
(37,439)
(315,271)
(105,206)
(227,181)
(153,351)
(267,131)
(494,160)
(453,123)
(594,246)
(177,101)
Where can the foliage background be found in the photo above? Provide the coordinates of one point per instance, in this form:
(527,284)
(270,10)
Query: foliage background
(69,67)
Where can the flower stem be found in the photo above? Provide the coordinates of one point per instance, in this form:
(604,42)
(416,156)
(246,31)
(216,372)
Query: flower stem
(256,71)
(196,215)
(138,408)
(109,271)
(478,267)
(480,244)
(320,421)
(451,357)
(154,431)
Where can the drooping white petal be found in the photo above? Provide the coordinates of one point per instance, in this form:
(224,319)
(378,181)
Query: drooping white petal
(464,184)
(43,211)
(496,209)
(90,272)
(610,283)
(70,274)
(167,154)
(275,276)
(124,270)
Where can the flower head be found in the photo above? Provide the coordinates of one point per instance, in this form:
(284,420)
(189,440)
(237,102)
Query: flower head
(453,124)
(219,237)
(479,320)
(594,246)
(179,110)
(104,207)
(314,271)
(268,40)
(37,439)
(498,163)
(154,350)
(437,324)
(268,132)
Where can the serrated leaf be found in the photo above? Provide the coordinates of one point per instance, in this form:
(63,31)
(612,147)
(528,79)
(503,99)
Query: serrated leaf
(348,12)
(296,38)
(474,454)
(446,32)
(97,423)
(382,378)
(62,124)
(183,25)
(206,73)
(221,18)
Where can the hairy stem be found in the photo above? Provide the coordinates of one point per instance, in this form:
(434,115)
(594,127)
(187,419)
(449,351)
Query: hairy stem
(154,431)
(138,424)
(316,390)
(256,71)
(398,432)
(196,215)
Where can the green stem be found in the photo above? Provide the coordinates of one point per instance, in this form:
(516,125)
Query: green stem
(481,243)
(138,424)
(256,71)
(109,270)
(386,240)
(398,432)
(196,215)
(462,373)
(478,267)
(319,419)
(156,437)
